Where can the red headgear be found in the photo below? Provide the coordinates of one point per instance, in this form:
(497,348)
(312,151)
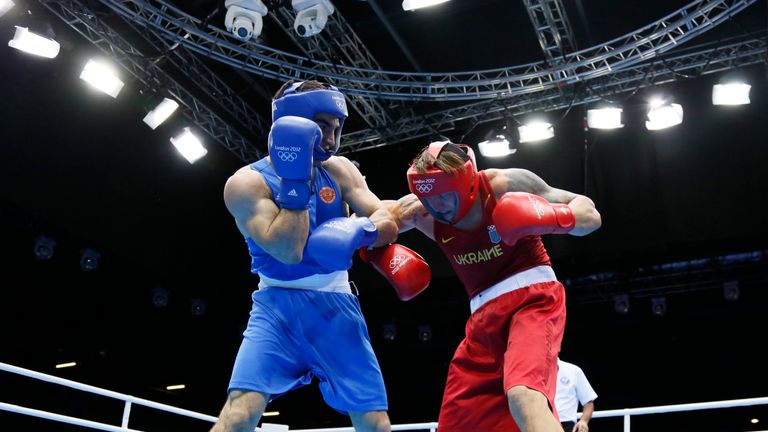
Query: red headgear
(436,181)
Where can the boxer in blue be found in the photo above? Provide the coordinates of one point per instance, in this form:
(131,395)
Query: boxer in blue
(292,207)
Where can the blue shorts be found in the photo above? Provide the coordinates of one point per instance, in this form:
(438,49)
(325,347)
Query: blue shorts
(296,334)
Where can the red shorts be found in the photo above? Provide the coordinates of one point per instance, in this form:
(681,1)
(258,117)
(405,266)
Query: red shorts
(512,340)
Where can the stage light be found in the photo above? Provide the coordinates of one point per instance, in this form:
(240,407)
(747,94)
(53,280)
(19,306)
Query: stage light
(735,93)
(160,113)
(33,43)
(389,332)
(44,248)
(663,115)
(604,118)
(410,5)
(89,260)
(536,131)
(731,291)
(659,306)
(102,77)
(425,333)
(189,145)
(498,142)
(621,304)
(197,307)
(5,6)
(160,297)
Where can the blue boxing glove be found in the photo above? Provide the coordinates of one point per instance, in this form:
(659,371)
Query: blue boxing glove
(291,141)
(333,243)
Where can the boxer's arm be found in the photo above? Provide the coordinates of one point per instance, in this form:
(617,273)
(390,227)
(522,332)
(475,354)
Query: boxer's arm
(408,212)
(520,180)
(281,233)
(361,200)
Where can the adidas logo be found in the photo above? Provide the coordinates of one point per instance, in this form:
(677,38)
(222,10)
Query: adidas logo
(293,193)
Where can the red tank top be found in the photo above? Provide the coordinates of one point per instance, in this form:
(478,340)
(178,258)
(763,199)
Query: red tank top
(479,257)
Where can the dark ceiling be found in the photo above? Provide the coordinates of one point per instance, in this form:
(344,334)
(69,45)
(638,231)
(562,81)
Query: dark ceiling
(684,213)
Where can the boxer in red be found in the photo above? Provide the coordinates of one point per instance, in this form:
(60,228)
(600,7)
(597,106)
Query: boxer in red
(488,223)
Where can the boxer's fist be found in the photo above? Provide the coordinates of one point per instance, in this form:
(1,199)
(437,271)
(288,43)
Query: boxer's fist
(520,214)
(405,270)
(291,141)
(333,242)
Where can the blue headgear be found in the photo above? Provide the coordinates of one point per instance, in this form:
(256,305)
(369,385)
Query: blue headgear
(308,104)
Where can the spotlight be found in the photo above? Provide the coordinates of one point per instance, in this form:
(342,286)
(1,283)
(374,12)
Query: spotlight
(33,43)
(734,93)
(621,304)
(498,142)
(197,307)
(389,332)
(44,248)
(410,5)
(160,297)
(89,260)
(425,333)
(244,18)
(160,113)
(189,146)
(5,6)
(102,76)
(662,115)
(536,131)
(311,16)
(659,306)
(731,291)
(604,118)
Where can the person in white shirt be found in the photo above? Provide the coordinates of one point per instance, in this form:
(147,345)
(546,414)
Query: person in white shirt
(572,389)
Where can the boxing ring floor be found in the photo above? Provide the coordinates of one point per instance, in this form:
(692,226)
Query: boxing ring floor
(130,401)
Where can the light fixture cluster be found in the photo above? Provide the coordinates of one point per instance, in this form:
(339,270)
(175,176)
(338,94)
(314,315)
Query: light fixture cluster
(103,76)
(244,18)
(661,114)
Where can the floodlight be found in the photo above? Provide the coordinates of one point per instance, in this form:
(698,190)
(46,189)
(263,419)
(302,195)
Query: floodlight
(161,112)
(536,131)
(730,94)
(410,5)
(102,77)
(89,260)
(27,41)
(189,145)
(621,303)
(44,248)
(664,115)
(604,118)
(5,6)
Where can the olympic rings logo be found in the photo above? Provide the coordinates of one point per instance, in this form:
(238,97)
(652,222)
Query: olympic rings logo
(397,261)
(286,156)
(424,188)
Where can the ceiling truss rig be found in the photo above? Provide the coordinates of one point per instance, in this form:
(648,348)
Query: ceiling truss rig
(667,33)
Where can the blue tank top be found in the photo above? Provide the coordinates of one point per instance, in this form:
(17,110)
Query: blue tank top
(324,203)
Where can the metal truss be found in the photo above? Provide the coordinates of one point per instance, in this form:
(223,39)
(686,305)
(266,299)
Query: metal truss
(87,22)
(701,60)
(338,44)
(667,33)
(199,75)
(550,22)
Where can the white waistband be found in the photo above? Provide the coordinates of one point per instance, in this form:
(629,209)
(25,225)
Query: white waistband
(337,281)
(523,279)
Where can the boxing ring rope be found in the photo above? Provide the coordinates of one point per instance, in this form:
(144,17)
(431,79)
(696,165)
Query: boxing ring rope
(626,413)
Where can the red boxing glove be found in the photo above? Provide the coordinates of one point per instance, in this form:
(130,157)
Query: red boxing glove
(405,270)
(520,214)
